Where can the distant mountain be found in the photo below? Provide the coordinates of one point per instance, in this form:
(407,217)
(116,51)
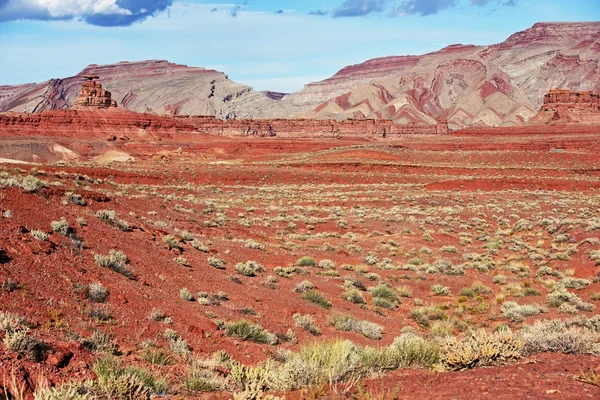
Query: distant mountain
(154,86)
(501,84)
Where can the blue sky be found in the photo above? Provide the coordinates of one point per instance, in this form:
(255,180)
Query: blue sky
(268,44)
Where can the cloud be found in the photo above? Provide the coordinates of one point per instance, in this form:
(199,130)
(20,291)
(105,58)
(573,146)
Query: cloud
(359,8)
(318,12)
(95,12)
(424,7)
(479,3)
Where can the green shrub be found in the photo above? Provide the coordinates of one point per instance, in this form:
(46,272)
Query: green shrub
(306,261)
(384,295)
(247,330)
(316,298)
(354,296)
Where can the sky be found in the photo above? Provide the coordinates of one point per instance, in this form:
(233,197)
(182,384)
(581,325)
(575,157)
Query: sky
(267,44)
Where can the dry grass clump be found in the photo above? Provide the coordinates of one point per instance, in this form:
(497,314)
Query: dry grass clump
(307,323)
(561,337)
(348,323)
(116,260)
(354,296)
(317,298)
(304,286)
(517,312)
(385,297)
(250,331)
(481,348)
(110,217)
(96,292)
(249,268)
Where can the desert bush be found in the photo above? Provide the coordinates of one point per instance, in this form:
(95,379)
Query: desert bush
(404,291)
(116,260)
(423,315)
(61,226)
(110,217)
(354,296)
(17,340)
(250,331)
(575,283)
(559,337)
(517,312)
(182,261)
(100,342)
(348,323)
(307,323)
(186,295)
(199,378)
(253,245)
(39,235)
(407,350)
(440,290)
(96,292)
(448,249)
(316,298)
(304,286)
(317,364)
(172,242)
(216,263)
(75,199)
(306,261)
(157,315)
(481,348)
(249,268)
(326,264)
(385,293)
(116,382)
(12,322)
(199,246)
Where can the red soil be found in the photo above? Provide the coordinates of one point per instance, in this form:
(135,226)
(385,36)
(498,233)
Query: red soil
(461,171)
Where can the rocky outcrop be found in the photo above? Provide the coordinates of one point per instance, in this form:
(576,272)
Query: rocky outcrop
(311,128)
(92,94)
(566,106)
(90,122)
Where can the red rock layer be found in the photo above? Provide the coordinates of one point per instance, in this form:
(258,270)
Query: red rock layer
(310,128)
(118,122)
(566,106)
(87,123)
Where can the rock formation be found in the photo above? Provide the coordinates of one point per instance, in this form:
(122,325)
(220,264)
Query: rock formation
(567,106)
(92,94)
(498,85)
